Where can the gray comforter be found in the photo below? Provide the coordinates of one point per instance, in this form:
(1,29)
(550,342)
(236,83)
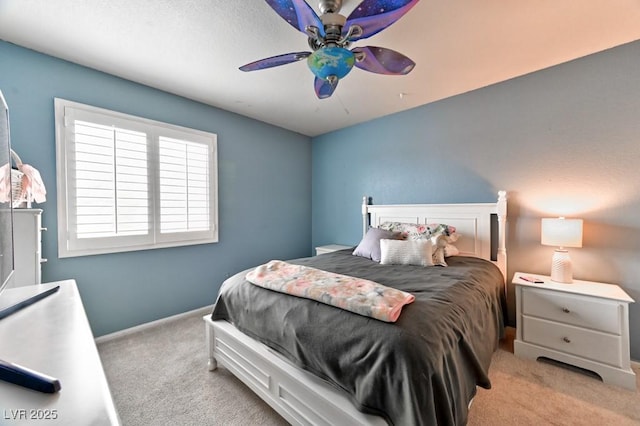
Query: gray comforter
(421,370)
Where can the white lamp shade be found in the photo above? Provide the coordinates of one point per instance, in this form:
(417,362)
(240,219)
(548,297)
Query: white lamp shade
(561,232)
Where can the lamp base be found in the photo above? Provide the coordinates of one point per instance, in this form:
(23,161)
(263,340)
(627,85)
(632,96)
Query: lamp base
(561,268)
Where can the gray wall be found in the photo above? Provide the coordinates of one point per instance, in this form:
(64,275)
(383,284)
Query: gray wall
(264,192)
(561,141)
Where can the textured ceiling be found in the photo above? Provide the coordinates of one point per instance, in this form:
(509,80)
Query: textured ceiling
(193,48)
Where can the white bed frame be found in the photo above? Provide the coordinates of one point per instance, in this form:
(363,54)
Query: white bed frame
(302,398)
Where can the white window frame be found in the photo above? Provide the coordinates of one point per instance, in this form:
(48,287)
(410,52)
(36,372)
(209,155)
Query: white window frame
(66,112)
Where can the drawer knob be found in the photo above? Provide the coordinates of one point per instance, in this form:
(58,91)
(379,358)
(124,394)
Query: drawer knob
(566,340)
(566,310)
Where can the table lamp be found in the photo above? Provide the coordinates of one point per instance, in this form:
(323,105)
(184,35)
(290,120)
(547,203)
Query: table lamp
(562,233)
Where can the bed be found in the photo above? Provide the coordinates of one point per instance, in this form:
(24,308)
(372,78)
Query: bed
(317,364)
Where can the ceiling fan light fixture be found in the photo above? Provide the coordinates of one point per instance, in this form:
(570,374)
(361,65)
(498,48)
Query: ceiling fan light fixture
(331,61)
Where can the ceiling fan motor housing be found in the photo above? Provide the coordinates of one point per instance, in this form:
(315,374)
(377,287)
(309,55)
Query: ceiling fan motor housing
(333,23)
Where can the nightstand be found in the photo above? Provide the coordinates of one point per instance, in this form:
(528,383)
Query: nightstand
(330,248)
(585,324)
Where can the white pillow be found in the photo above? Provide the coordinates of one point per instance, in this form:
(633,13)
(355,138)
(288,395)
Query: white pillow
(406,252)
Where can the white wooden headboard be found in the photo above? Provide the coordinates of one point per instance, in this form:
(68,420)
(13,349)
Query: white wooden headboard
(481,225)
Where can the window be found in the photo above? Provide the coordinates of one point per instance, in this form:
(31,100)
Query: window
(127,183)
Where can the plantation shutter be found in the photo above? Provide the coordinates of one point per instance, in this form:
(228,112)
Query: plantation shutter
(131,185)
(184,177)
(112,186)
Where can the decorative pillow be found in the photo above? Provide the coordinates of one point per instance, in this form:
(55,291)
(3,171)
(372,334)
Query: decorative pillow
(406,252)
(442,248)
(414,231)
(441,228)
(451,250)
(369,247)
(417,231)
(438,244)
(409,231)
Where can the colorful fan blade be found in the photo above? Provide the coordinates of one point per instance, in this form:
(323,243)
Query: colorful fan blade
(297,13)
(383,61)
(324,88)
(374,16)
(275,61)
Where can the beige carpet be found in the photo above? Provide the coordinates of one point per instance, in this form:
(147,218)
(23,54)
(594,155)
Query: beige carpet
(537,393)
(159,377)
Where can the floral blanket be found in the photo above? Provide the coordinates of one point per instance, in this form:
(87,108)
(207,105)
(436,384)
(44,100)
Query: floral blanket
(353,294)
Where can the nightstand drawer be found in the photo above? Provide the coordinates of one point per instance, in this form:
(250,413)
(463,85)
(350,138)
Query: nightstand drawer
(596,314)
(601,347)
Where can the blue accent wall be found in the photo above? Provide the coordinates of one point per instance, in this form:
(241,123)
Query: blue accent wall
(264,192)
(561,141)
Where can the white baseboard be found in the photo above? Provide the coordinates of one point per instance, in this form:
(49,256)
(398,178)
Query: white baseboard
(127,331)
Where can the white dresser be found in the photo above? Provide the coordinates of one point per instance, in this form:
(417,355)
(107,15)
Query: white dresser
(585,324)
(27,236)
(53,337)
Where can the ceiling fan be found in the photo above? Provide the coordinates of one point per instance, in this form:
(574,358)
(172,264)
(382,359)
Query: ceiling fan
(330,36)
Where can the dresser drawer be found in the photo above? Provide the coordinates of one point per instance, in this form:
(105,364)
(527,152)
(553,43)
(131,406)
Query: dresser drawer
(596,314)
(601,347)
